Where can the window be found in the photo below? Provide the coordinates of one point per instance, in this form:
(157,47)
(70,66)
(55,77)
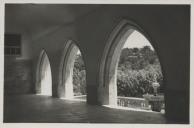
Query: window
(12,44)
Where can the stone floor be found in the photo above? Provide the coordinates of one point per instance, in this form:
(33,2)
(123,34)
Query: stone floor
(45,109)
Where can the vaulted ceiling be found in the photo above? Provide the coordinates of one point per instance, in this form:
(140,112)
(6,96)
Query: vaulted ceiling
(32,16)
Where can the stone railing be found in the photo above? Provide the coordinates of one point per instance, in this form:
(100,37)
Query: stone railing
(147,103)
(132,102)
(81,97)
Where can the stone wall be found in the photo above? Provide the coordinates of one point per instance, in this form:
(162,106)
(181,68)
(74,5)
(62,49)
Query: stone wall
(17,76)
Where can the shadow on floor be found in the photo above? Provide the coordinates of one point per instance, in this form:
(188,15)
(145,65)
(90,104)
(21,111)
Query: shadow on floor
(44,109)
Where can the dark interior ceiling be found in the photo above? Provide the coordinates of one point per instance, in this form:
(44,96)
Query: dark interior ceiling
(32,16)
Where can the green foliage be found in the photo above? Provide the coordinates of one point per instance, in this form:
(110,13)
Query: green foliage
(79,76)
(138,68)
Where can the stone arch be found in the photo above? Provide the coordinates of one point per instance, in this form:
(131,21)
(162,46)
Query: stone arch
(107,90)
(65,86)
(43,75)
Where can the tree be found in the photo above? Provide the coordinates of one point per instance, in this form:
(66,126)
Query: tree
(79,76)
(136,72)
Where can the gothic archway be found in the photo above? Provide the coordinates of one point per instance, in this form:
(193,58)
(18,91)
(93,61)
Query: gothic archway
(43,75)
(107,90)
(66,87)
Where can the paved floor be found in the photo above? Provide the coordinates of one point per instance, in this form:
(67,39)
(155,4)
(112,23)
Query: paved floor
(44,109)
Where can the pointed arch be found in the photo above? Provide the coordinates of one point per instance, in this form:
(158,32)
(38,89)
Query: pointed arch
(107,90)
(65,86)
(43,75)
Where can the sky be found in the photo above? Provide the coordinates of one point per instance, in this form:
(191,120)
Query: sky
(137,40)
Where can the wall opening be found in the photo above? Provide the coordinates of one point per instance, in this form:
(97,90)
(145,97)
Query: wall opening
(44,78)
(118,77)
(79,77)
(138,70)
(72,80)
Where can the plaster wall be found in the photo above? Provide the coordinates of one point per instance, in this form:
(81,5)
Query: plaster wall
(18,69)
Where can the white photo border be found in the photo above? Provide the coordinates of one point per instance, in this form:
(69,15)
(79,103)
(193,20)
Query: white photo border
(93,125)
